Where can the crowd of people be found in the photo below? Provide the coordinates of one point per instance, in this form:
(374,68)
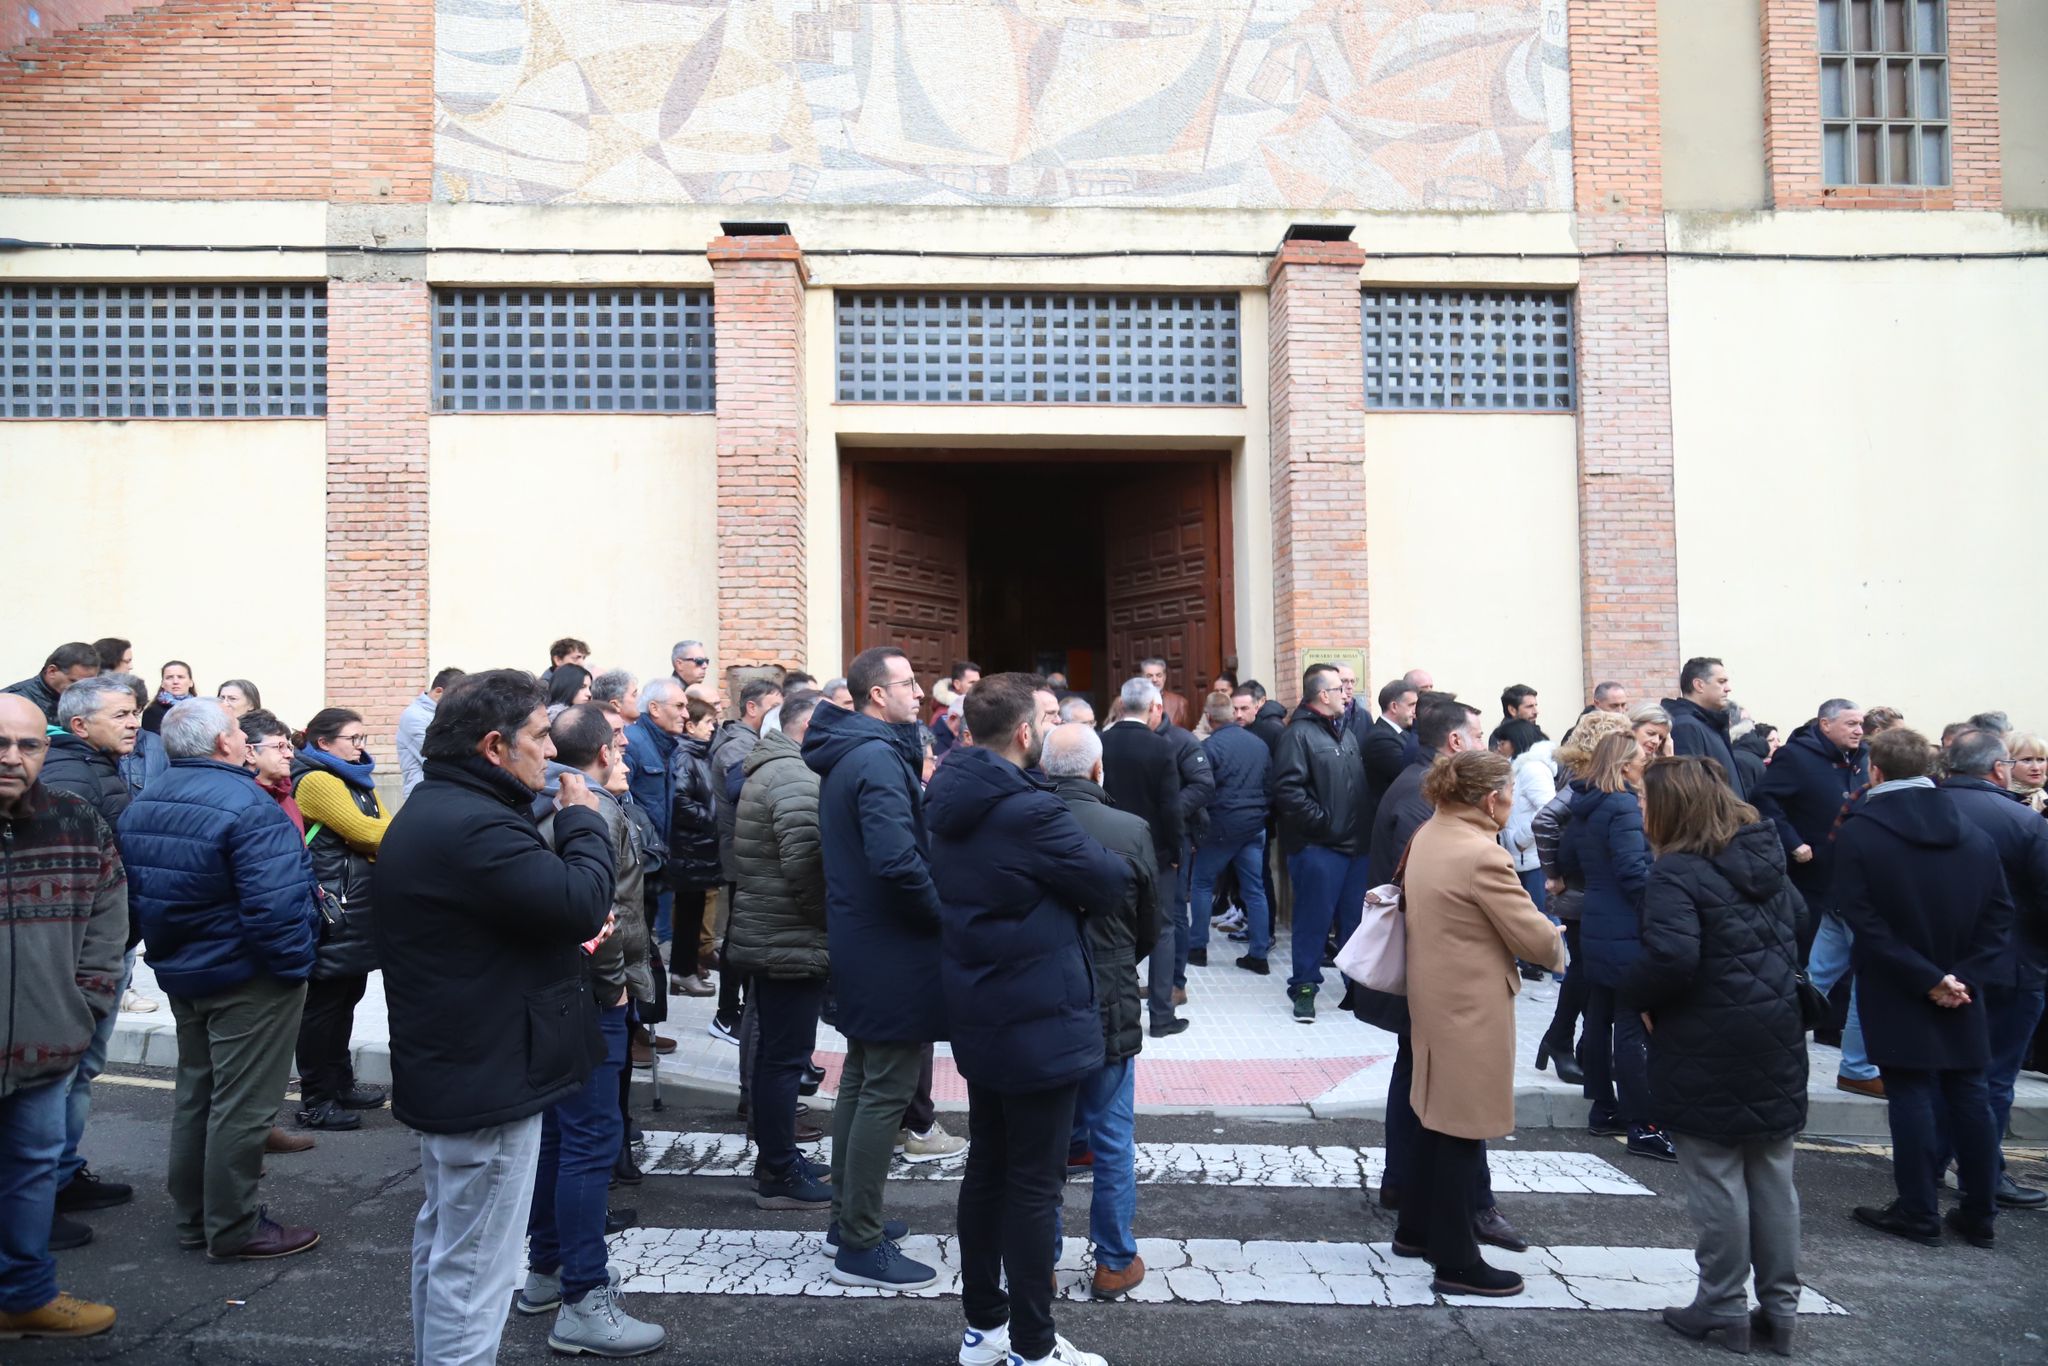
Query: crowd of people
(1000,869)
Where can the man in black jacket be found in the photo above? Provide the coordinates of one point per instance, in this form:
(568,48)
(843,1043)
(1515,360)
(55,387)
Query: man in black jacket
(1700,716)
(1980,769)
(1318,791)
(1384,745)
(1924,894)
(479,927)
(1141,775)
(1105,1111)
(67,664)
(1258,713)
(1197,791)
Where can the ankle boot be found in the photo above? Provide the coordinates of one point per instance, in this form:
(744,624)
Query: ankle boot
(1695,1322)
(1774,1330)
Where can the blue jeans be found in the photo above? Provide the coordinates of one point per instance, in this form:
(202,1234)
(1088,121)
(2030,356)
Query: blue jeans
(787,1012)
(1249,859)
(579,1141)
(1105,1123)
(2013,1015)
(1827,963)
(1921,1105)
(31,1140)
(1327,886)
(1177,915)
(664,913)
(78,1098)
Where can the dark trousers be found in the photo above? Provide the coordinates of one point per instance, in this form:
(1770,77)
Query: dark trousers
(919,1116)
(1571,997)
(1404,1134)
(1010,1209)
(330,1017)
(1436,1212)
(1616,1055)
(1924,1106)
(2014,1014)
(234,1053)
(688,924)
(579,1141)
(787,1012)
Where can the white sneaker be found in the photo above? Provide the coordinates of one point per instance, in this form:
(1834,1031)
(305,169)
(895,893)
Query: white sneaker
(1064,1353)
(135,1003)
(933,1145)
(991,1348)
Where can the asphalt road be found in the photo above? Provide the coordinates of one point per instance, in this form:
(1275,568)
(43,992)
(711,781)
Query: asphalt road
(346,1302)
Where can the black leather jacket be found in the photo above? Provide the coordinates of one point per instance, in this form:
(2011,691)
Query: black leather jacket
(1317,785)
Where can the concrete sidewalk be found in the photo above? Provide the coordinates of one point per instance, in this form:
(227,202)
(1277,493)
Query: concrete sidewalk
(1243,1057)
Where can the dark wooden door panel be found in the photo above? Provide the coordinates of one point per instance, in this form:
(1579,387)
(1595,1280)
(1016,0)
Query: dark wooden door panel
(1164,566)
(910,566)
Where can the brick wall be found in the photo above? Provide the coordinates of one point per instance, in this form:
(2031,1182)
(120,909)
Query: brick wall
(54,17)
(758,293)
(378,381)
(226,99)
(1628,547)
(1792,120)
(1317,376)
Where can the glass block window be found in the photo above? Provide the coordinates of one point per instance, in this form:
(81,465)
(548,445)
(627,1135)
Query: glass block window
(163,350)
(1884,92)
(1508,349)
(1038,348)
(573,351)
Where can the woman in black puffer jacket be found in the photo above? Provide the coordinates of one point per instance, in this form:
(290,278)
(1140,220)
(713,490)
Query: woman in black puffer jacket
(1717,983)
(693,867)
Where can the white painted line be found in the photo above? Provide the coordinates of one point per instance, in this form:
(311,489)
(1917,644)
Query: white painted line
(1269,1165)
(697,1261)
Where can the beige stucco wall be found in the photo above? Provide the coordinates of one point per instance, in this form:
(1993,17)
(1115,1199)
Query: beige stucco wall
(1858,464)
(2023,102)
(197,540)
(545,525)
(1710,77)
(1472,535)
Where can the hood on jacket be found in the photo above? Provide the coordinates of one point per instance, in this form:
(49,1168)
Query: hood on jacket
(1082,789)
(835,733)
(1270,710)
(966,789)
(551,787)
(1543,752)
(1754,861)
(1333,724)
(1717,721)
(774,745)
(1917,815)
(1810,737)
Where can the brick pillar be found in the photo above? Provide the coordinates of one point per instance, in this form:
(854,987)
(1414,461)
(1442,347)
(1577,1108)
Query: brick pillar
(759,296)
(1628,546)
(377,393)
(1317,366)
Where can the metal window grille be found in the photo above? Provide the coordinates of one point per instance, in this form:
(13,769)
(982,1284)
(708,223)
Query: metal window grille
(1038,348)
(573,350)
(1506,349)
(1884,92)
(163,350)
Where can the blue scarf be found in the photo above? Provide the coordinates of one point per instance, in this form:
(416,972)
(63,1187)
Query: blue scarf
(360,774)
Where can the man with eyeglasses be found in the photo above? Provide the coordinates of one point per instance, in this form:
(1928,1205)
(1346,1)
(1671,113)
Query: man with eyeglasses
(690,662)
(99,721)
(60,869)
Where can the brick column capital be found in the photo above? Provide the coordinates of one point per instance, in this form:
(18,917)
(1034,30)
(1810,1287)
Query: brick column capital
(731,251)
(1341,255)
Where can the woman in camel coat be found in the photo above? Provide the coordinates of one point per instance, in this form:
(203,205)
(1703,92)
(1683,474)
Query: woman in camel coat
(1468,920)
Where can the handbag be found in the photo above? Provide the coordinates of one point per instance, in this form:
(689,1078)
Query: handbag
(1813,1002)
(1376,954)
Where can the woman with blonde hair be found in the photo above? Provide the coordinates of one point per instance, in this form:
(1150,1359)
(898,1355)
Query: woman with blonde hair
(1564,895)
(2029,768)
(1468,919)
(1652,727)
(1719,977)
(1604,845)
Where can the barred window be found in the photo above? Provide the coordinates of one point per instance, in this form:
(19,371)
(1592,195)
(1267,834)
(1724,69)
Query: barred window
(163,350)
(573,350)
(1884,92)
(1499,349)
(1038,348)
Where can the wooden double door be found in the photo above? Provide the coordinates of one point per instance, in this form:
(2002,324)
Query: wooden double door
(1070,554)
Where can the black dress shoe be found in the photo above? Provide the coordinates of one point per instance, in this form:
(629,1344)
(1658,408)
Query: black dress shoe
(66,1234)
(619,1220)
(625,1170)
(813,1077)
(362,1097)
(1891,1219)
(1491,1226)
(2008,1192)
(86,1191)
(1477,1279)
(1251,964)
(328,1114)
(1975,1232)
(1198,958)
(1168,1028)
(1390,1196)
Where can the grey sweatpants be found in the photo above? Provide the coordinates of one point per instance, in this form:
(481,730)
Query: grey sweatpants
(466,1253)
(1747,1210)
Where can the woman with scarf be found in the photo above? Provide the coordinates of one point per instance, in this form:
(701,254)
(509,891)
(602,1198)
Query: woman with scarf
(334,782)
(176,686)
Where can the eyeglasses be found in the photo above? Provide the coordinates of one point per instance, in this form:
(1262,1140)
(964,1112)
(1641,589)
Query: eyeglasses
(899,682)
(276,746)
(29,748)
(359,739)
(698,660)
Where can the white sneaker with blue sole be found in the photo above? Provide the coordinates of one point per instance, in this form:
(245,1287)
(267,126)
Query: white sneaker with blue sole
(986,1348)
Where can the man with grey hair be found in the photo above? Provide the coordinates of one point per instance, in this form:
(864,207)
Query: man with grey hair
(837,693)
(1077,710)
(99,720)
(1175,706)
(223,889)
(1104,1109)
(1811,779)
(689,662)
(1142,776)
(618,686)
(1610,696)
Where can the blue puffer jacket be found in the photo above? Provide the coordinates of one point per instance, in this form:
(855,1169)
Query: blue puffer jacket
(218,879)
(1239,759)
(1604,846)
(1015,873)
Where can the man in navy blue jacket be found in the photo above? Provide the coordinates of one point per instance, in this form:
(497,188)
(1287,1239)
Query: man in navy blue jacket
(651,779)
(1015,873)
(882,928)
(223,888)
(1236,837)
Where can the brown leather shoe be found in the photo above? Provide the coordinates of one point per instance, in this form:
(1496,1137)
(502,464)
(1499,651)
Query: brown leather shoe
(271,1239)
(1180,996)
(642,1054)
(284,1141)
(1114,1285)
(1873,1087)
(664,1044)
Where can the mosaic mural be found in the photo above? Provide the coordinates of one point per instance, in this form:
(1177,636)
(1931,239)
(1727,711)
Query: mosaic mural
(1375,104)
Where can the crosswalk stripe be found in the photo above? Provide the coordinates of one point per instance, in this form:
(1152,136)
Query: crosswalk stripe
(698,1261)
(1270,1165)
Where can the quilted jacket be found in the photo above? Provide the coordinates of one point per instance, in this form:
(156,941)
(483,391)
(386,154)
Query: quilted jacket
(1720,951)
(778,906)
(1604,846)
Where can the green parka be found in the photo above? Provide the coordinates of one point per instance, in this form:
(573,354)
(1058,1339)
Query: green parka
(778,909)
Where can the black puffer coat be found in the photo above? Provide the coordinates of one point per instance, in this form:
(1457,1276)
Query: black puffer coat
(778,904)
(1718,977)
(693,829)
(347,946)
